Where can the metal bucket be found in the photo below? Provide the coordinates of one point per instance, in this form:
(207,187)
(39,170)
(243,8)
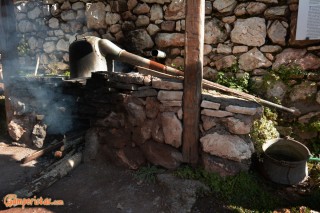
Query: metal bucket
(285,161)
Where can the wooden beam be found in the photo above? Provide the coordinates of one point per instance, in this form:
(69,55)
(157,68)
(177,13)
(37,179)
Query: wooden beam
(194,39)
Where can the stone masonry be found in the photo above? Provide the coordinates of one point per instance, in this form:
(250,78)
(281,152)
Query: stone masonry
(256,35)
(137,118)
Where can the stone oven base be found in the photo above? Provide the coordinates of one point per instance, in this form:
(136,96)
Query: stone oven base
(133,119)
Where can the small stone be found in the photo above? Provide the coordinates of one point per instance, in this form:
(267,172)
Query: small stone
(238,127)
(229,19)
(215,31)
(180,113)
(157,132)
(172,129)
(175,10)
(240,49)
(252,60)
(225,62)
(153,29)
(256,8)
(145,93)
(170,40)
(170,95)
(208,122)
(276,12)
(166,84)
(303,91)
(270,48)
(39,134)
(224,6)
(142,20)
(172,103)
(152,107)
(137,114)
(210,105)
(216,113)
(141,9)
(156,12)
(223,49)
(277,32)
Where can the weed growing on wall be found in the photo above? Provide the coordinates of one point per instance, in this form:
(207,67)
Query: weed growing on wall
(286,73)
(264,129)
(23,47)
(227,77)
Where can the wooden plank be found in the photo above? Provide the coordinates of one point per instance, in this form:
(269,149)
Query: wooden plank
(194,39)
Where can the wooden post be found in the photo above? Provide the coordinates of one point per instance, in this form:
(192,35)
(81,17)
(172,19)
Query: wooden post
(194,39)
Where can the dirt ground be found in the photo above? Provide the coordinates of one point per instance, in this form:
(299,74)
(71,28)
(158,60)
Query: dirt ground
(91,187)
(95,187)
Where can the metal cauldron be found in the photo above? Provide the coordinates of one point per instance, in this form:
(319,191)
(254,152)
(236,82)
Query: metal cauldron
(285,161)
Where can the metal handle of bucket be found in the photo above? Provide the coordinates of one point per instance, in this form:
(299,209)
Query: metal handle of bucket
(314,159)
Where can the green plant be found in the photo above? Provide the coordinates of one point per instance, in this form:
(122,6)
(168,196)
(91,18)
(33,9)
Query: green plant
(148,173)
(180,67)
(231,81)
(67,73)
(23,47)
(270,115)
(315,125)
(288,72)
(243,189)
(263,130)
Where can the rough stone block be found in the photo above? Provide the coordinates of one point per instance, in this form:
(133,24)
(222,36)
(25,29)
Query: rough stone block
(216,113)
(162,154)
(231,147)
(210,105)
(223,167)
(170,95)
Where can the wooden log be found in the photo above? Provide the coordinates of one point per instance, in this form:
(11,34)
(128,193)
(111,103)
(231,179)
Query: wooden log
(57,163)
(65,166)
(56,144)
(194,39)
(64,145)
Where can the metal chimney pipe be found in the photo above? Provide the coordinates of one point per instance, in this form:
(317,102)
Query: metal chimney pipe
(91,54)
(158,54)
(110,50)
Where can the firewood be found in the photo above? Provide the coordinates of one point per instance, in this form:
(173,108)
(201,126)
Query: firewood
(65,144)
(56,144)
(65,166)
(55,164)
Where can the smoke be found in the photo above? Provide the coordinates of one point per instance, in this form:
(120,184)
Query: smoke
(43,97)
(8,39)
(38,96)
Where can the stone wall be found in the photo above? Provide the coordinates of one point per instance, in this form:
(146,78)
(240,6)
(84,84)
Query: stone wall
(137,118)
(256,36)
(131,119)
